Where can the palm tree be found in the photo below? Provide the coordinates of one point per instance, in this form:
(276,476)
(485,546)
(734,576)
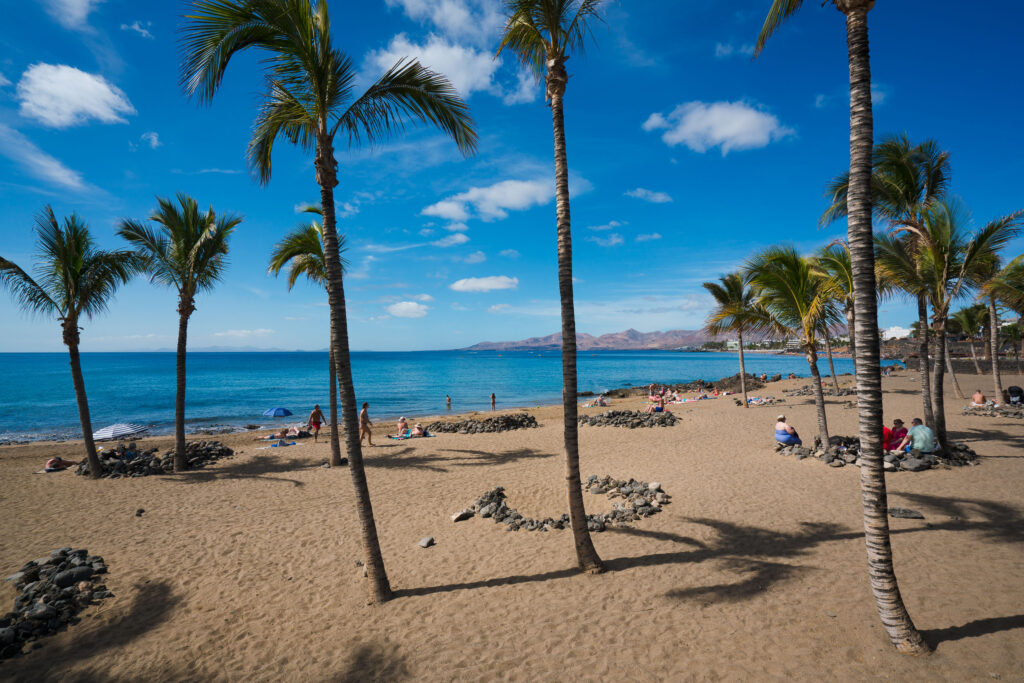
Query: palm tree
(952,261)
(1015,336)
(73,279)
(798,302)
(969,322)
(736,310)
(187,251)
(894,615)
(1007,287)
(303,251)
(310,98)
(953,327)
(833,262)
(542,33)
(906,179)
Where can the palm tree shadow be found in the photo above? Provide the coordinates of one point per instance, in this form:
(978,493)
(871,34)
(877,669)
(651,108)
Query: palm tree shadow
(436,462)
(760,577)
(251,468)
(989,433)
(151,606)
(973,629)
(375,662)
(1001,523)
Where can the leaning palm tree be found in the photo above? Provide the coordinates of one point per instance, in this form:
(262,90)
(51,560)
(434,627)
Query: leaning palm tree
(311,97)
(969,323)
(542,33)
(187,251)
(302,250)
(73,279)
(833,262)
(798,302)
(736,310)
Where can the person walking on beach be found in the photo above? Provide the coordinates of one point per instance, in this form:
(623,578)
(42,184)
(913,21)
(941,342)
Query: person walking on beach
(316,418)
(492,400)
(365,425)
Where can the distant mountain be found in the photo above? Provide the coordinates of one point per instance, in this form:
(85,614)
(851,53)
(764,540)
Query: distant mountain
(629,339)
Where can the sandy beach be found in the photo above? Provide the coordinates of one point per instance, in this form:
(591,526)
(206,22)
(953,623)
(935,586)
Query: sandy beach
(246,570)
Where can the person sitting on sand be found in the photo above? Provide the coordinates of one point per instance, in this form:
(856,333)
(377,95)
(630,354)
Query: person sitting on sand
(896,436)
(365,425)
(656,406)
(764,376)
(919,438)
(418,430)
(792,375)
(403,426)
(56,464)
(600,401)
(978,399)
(785,434)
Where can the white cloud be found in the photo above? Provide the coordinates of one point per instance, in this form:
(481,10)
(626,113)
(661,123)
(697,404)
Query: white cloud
(71,14)
(820,101)
(59,96)
(204,171)
(648,237)
(610,225)
(469,70)
(3,81)
(453,240)
(649,196)
(497,308)
(878,93)
(407,309)
(476,21)
(151,139)
(509,253)
(525,90)
(426,232)
(493,202)
(36,162)
(612,240)
(456,306)
(723,50)
(142,28)
(423,297)
(729,125)
(262,332)
(456,227)
(485,284)
(476,257)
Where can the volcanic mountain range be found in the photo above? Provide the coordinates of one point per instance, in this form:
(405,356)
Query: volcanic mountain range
(627,340)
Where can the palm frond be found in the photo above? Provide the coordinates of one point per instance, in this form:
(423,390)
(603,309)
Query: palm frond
(29,296)
(778,13)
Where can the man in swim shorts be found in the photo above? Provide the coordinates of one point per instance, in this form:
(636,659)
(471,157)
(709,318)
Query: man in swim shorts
(315,419)
(365,425)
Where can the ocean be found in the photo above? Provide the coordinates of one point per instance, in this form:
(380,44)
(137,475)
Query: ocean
(230,390)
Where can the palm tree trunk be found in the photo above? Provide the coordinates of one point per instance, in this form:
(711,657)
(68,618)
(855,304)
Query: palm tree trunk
(938,398)
(925,365)
(586,554)
(1016,356)
(949,369)
(850,323)
(743,372)
(893,613)
(326,175)
(819,395)
(180,457)
(974,356)
(335,437)
(71,340)
(831,365)
(993,319)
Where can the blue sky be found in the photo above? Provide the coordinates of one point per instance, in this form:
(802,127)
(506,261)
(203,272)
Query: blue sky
(686,156)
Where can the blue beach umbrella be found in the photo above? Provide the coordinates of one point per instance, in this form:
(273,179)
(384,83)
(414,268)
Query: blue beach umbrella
(277,412)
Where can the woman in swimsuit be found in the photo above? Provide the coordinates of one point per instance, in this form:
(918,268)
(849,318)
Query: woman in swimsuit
(785,434)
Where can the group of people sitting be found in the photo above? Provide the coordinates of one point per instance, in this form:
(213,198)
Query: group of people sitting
(405,433)
(919,437)
(1013,396)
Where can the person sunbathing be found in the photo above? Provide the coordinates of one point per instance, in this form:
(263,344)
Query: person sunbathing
(283,434)
(978,399)
(785,434)
(403,427)
(58,464)
(418,430)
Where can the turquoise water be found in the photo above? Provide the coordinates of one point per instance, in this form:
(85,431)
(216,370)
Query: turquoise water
(233,389)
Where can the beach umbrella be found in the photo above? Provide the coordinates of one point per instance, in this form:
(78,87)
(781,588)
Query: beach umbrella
(277,412)
(118,431)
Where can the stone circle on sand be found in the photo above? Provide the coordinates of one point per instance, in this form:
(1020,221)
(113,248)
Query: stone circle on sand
(845,450)
(629,418)
(639,499)
(145,463)
(52,591)
(995,411)
(498,423)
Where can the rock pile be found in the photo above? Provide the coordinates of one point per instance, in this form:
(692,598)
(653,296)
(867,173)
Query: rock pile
(808,390)
(53,590)
(143,464)
(995,411)
(845,450)
(629,418)
(761,401)
(640,499)
(498,423)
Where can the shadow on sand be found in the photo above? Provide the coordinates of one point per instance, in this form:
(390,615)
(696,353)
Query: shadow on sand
(375,662)
(437,462)
(251,468)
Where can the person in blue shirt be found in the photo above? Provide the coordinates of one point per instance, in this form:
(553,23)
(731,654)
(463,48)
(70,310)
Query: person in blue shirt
(919,438)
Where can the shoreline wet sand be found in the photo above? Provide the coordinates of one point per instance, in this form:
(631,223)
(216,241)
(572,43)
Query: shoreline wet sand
(246,569)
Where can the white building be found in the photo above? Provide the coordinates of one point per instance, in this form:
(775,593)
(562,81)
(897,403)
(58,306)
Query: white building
(732,345)
(895,332)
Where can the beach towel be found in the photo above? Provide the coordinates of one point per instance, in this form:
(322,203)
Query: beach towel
(408,435)
(276,445)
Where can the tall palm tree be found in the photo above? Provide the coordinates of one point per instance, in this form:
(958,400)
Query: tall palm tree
(898,624)
(833,261)
(302,250)
(187,251)
(906,179)
(952,262)
(953,327)
(1015,337)
(73,279)
(1007,287)
(798,302)
(542,34)
(311,97)
(969,322)
(736,310)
